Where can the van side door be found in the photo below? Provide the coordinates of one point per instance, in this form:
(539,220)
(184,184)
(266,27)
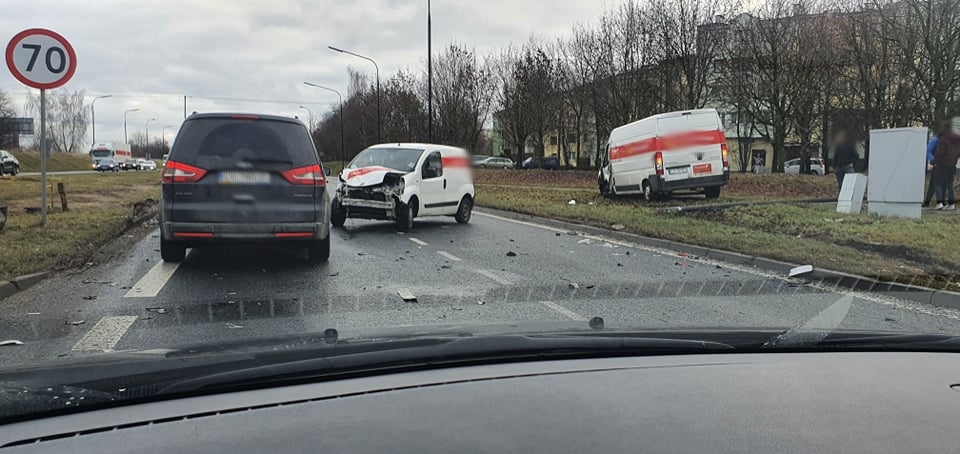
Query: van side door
(432,184)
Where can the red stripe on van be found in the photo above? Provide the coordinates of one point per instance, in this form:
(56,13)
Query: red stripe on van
(668,143)
(455,161)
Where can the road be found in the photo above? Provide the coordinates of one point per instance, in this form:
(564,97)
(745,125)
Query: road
(519,271)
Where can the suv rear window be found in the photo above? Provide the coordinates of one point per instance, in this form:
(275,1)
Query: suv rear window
(216,143)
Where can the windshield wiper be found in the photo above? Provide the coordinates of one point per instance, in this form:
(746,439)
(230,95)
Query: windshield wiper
(420,353)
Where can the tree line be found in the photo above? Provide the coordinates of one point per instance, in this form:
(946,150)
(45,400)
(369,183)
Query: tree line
(789,73)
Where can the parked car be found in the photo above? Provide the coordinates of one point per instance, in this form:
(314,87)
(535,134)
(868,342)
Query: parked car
(129,164)
(146,164)
(399,182)
(817,167)
(664,153)
(495,163)
(9,164)
(547,163)
(241,179)
(107,165)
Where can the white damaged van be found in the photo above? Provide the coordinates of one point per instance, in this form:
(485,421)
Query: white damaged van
(403,181)
(664,153)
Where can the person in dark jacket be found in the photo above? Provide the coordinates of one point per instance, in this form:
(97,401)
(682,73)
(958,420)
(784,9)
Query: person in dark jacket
(845,156)
(931,152)
(943,169)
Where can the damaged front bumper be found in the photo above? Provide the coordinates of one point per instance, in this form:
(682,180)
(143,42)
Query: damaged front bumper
(378,203)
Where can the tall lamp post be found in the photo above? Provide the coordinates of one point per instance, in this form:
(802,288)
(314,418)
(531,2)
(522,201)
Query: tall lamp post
(310,123)
(146,127)
(343,156)
(125,140)
(93,115)
(429,74)
(378,81)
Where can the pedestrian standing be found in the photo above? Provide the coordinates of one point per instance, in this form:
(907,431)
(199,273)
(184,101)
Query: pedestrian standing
(845,157)
(943,169)
(931,152)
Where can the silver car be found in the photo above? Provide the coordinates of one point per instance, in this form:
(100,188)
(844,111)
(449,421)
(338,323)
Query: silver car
(495,163)
(8,163)
(146,164)
(817,167)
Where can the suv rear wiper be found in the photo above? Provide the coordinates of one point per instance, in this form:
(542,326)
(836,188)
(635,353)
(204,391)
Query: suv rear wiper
(420,353)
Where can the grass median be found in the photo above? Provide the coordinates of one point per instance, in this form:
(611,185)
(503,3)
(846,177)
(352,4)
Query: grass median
(924,252)
(58,162)
(101,206)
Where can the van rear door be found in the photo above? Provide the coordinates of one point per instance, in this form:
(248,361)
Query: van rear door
(691,146)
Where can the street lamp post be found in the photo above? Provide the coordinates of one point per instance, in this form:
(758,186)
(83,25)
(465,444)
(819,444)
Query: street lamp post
(378,82)
(310,123)
(93,115)
(125,140)
(164,136)
(429,74)
(146,127)
(343,156)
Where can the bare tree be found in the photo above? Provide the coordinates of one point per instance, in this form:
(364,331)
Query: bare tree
(67,119)
(511,98)
(463,90)
(539,74)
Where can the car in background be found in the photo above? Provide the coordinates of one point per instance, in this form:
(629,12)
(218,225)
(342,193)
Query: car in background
(107,165)
(9,164)
(494,162)
(547,163)
(165,157)
(129,164)
(478,158)
(243,179)
(817,167)
(146,164)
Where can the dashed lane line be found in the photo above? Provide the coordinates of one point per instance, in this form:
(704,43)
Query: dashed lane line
(105,334)
(494,277)
(450,256)
(151,283)
(566,312)
(418,242)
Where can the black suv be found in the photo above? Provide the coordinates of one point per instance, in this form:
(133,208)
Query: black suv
(240,178)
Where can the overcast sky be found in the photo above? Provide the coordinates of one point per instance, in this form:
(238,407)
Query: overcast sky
(148,53)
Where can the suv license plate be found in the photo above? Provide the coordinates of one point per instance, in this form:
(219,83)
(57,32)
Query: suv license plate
(244,178)
(678,170)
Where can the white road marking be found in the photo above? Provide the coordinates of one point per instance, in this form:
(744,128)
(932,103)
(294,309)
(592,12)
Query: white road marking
(450,256)
(566,312)
(418,242)
(818,327)
(890,301)
(152,282)
(496,278)
(105,334)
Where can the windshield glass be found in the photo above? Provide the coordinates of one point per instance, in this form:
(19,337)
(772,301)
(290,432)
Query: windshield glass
(594,166)
(402,159)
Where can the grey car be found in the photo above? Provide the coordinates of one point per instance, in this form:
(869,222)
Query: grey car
(240,179)
(8,163)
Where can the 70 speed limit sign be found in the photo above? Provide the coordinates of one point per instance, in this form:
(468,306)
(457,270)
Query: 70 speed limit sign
(41,58)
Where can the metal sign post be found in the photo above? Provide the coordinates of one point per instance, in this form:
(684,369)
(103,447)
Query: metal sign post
(42,59)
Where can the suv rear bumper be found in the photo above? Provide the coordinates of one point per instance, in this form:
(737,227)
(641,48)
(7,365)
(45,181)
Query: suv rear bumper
(658,184)
(200,232)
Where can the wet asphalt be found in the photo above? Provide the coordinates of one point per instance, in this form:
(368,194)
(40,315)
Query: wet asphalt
(492,270)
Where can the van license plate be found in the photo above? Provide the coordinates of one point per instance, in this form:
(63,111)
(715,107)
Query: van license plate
(244,178)
(678,170)
(701,169)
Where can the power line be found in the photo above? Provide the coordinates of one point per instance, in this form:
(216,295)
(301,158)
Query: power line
(211,98)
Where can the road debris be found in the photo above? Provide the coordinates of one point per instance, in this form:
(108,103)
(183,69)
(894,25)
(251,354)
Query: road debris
(608,245)
(333,274)
(572,202)
(33,313)
(801,270)
(480,302)
(585,241)
(159,310)
(620,265)
(406,295)
(90,298)
(590,286)
(618,227)
(10,342)
(573,285)
(76,323)
(233,326)
(511,254)
(558,234)
(445,267)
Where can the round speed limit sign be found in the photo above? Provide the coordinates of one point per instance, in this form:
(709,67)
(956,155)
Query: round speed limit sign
(41,58)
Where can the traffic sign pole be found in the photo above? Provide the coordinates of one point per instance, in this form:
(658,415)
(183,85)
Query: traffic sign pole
(43,157)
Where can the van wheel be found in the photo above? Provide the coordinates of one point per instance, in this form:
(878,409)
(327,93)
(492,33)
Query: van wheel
(405,215)
(338,217)
(172,252)
(712,192)
(647,191)
(319,250)
(465,210)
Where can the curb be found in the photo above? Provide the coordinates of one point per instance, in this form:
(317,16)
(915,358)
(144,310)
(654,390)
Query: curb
(20,283)
(925,295)
(7,289)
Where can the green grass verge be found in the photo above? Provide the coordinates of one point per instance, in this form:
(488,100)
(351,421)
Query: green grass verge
(101,206)
(58,162)
(924,252)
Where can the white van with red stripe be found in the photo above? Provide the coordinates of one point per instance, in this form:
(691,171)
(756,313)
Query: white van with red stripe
(667,152)
(403,181)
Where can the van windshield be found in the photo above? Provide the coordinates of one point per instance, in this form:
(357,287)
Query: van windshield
(402,159)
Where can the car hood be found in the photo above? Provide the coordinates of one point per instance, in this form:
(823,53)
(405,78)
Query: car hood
(367,176)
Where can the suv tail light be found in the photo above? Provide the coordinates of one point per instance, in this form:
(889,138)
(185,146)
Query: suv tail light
(178,172)
(726,157)
(658,160)
(310,175)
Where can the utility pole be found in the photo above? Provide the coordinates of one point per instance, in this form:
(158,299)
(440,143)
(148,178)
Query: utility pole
(429,74)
